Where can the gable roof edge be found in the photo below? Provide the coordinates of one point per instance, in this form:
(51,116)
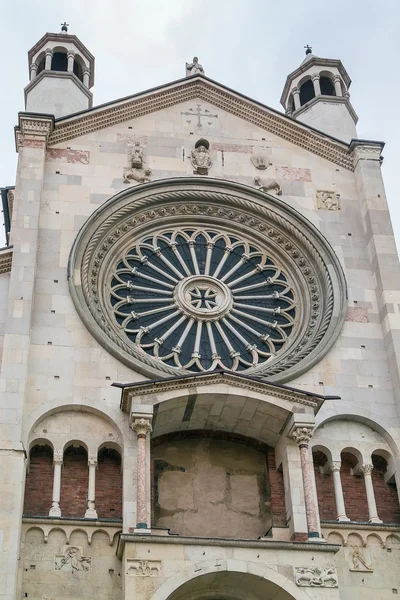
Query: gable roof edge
(222,97)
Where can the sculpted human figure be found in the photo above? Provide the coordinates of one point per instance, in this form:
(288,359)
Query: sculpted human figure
(194,67)
(137,156)
(358,559)
(201,158)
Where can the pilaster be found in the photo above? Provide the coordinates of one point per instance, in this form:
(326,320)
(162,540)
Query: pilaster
(31,136)
(382,251)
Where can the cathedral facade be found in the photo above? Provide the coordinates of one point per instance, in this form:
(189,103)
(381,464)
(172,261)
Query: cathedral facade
(199,300)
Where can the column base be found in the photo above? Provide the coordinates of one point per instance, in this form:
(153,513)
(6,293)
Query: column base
(91,513)
(138,530)
(342,519)
(55,511)
(314,536)
(375,520)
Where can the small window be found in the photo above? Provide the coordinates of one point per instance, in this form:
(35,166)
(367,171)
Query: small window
(327,87)
(59,62)
(306,92)
(41,65)
(78,71)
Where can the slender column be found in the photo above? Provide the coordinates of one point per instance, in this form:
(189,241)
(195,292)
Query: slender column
(91,512)
(49,56)
(86,73)
(338,87)
(337,482)
(33,70)
(142,426)
(55,510)
(71,56)
(317,87)
(302,436)
(366,470)
(296,97)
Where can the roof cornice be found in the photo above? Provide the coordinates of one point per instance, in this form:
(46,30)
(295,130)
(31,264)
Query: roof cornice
(201,87)
(150,387)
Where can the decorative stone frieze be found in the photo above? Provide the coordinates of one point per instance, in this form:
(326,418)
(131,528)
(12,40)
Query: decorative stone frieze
(316,577)
(72,560)
(327,200)
(33,130)
(143,568)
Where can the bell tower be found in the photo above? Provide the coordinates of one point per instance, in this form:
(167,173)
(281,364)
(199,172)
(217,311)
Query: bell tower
(317,94)
(61,75)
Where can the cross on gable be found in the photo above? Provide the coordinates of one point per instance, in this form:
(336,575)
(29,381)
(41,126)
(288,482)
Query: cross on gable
(196,112)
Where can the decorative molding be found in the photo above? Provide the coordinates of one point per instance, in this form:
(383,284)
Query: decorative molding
(143,568)
(309,546)
(153,388)
(316,577)
(46,525)
(33,130)
(311,266)
(6,256)
(208,91)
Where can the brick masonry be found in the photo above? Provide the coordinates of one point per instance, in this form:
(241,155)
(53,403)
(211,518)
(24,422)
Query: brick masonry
(386,497)
(109,485)
(355,497)
(39,482)
(325,489)
(74,483)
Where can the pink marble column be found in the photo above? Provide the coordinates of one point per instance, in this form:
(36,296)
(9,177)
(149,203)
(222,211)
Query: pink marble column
(142,426)
(302,436)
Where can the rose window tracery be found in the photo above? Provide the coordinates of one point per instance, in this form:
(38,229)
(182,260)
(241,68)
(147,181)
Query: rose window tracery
(189,275)
(202,300)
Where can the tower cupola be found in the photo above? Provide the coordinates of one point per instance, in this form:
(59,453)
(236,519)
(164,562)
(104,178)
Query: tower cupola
(61,75)
(317,94)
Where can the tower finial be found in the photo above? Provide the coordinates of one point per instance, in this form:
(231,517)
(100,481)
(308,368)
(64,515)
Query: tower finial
(308,49)
(64,27)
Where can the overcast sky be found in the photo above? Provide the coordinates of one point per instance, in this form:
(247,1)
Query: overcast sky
(248,45)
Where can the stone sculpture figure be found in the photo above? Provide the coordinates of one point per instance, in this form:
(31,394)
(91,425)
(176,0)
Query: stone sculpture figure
(268,185)
(316,577)
(72,561)
(194,67)
(358,560)
(327,200)
(136,171)
(137,156)
(260,162)
(200,157)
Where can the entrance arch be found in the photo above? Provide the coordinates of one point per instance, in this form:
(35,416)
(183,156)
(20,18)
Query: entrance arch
(238,580)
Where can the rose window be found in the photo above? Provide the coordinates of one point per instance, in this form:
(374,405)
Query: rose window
(202,300)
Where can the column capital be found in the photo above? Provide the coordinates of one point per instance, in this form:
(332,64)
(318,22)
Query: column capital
(86,71)
(335,465)
(366,469)
(315,76)
(33,130)
(296,90)
(71,54)
(337,78)
(92,461)
(58,458)
(49,52)
(302,435)
(142,425)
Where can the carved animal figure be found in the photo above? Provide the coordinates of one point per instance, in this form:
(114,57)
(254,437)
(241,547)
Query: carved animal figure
(267,185)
